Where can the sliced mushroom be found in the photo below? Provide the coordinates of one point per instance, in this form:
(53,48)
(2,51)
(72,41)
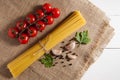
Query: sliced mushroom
(71,56)
(57,52)
(70,46)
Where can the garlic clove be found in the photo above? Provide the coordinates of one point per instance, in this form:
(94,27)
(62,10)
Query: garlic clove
(71,56)
(70,46)
(57,52)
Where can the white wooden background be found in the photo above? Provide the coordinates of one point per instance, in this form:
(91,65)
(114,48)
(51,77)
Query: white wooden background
(107,67)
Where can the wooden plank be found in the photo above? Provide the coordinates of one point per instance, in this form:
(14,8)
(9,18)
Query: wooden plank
(113,12)
(109,7)
(106,67)
(116,24)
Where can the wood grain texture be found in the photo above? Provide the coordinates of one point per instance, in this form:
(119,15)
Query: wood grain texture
(107,66)
(97,25)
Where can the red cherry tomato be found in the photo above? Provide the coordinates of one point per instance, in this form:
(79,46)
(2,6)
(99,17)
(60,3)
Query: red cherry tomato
(23,38)
(30,18)
(40,26)
(13,32)
(49,20)
(47,7)
(32,32)
(55,12)
(21,25)
(39,14)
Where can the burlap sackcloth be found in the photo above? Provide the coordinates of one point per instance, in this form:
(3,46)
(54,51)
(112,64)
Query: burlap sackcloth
(97,24)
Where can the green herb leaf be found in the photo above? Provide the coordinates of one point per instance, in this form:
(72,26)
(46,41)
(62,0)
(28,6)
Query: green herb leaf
(47,60)
(82,37)
(78,38)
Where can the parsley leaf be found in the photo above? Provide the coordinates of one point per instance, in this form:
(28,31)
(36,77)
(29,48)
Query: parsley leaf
(82,37)
(78,38)
(47,60)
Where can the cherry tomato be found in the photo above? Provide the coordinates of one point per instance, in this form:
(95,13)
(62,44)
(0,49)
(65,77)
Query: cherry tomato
(30,18)
(39,14)
(48,20)
(55,12)
(21,25)
(23,38)
(40,26)
(47,7)
(13,32)
(32,32)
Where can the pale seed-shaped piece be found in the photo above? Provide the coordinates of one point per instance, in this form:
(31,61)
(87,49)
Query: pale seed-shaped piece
(71,56)
(57,52)
(70,46)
